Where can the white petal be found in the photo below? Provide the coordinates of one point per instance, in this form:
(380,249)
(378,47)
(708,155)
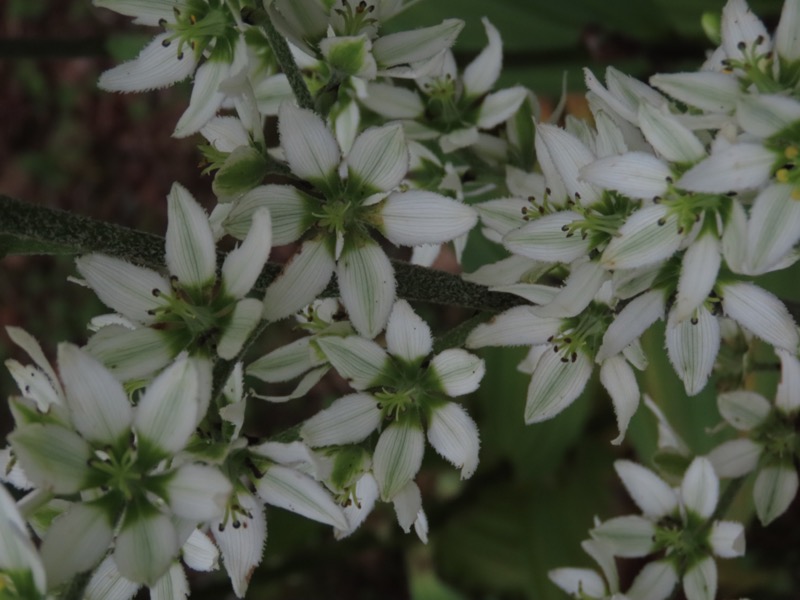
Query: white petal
(243,321)
(459,138)
(603,557)
(173,585)
(766,114)
(99,407)
(397,457)
(146,12)
(225,134)
(735,458)
(242,546)
(787,396)
(284,363)
(631,322)
(310,148)
(740,27)
(407,335)
(761,313)
(454,435)
(458,371)
(191,252)
(407,503)
(555,384)
(288,207)
(415,45)
(130,354)
(348,420)
(548,240)
(774,227)
(367,287)
(198,493)
(199,552)
(243,265)
(481,74)
(787,34)
(167,413)
(650,493)
(635,174)
(52,457)
(206,97)
(28,343)
(737,167)
(578,582)
(517,326)
(107,583)
(379,158)
(734,239)
(700,487)
(156,66)
(698,275)
(87,531)
(579,290)
(420,217)
(618,378)
(296,492)
(654,582)
(713,92)
(631,536)
(569,156)
(302,280)
(533,292)
(500,106)
(393,102)
(692,346)
(145,548)
(774,490)
(125,288)
(362,362)
(743,409)
(507,271)
(671,139)
(649,236)
(727,539)
(505,214)
(700,581)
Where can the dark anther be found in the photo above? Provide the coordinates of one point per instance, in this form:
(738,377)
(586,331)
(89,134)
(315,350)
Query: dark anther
(741,45)
(564,359)
(162,22)
(236,524)
(166,43)
(662,221)
(156,292)
(565,228)
(577,196)
(759,40)
(669,179)
(547,191)
(550,339)
(180,57)
(680,230)
(574,356)
(693,320)
(221,527)
(656,199)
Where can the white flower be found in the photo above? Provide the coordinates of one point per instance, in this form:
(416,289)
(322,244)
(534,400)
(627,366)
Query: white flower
(132,496)
(769,429)
(672,518)
(196,33)
(407,399)
(363,199)
(189,311)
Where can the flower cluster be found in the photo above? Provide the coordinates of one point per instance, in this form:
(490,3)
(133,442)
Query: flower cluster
(679,192)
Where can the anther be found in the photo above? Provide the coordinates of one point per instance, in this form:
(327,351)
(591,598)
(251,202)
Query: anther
(166,43)
(693,321)
(741,45)
(661,222)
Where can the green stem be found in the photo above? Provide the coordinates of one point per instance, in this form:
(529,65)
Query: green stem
(30,229)
(282,54)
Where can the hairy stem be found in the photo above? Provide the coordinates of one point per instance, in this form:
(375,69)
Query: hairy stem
(282,54)
(31,229)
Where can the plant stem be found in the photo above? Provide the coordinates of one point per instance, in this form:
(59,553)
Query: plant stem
(31,229)
(283,55)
